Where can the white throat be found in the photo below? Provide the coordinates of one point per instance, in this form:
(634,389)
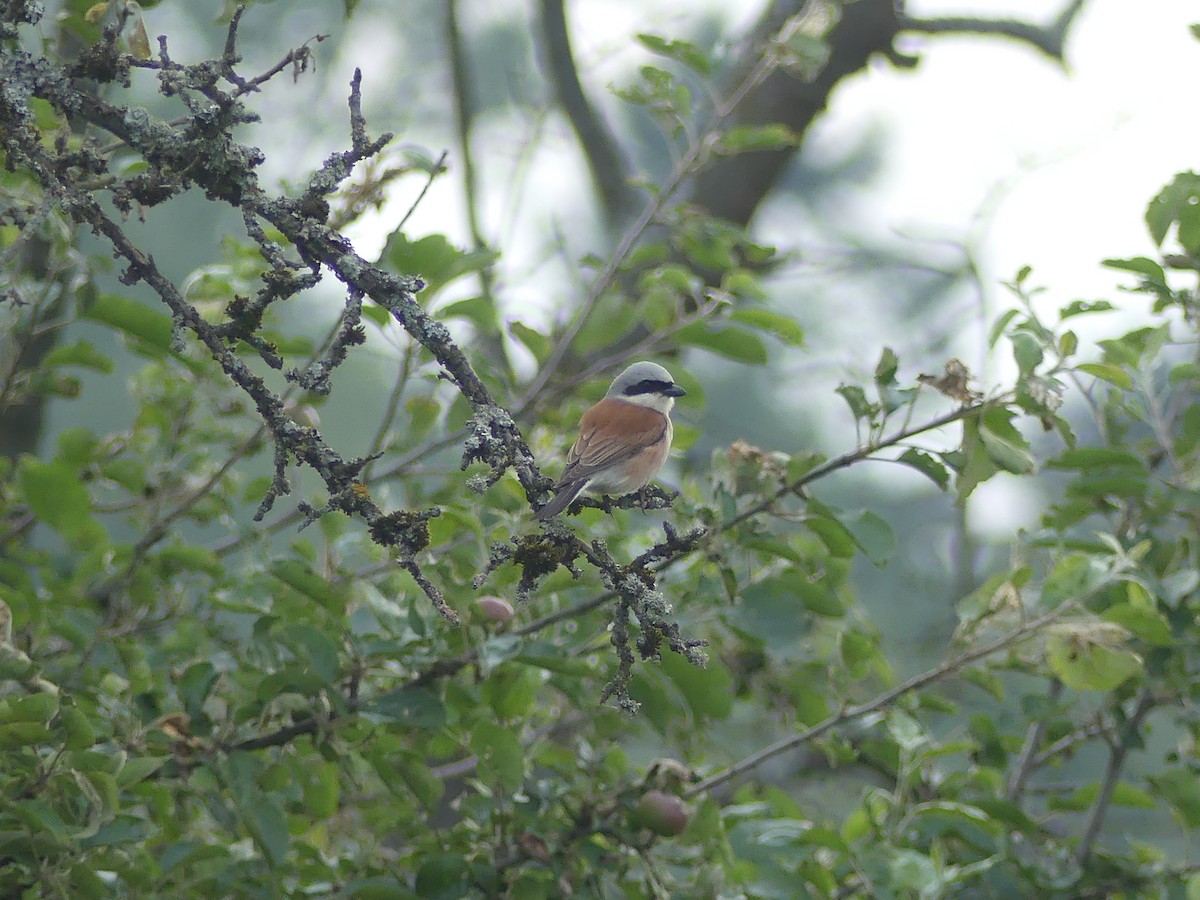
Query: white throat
(658,402)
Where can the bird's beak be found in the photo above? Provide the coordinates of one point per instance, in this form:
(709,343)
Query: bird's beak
(675,391)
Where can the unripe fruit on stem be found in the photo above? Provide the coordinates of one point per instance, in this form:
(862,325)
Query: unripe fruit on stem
(664,814)
(494,609)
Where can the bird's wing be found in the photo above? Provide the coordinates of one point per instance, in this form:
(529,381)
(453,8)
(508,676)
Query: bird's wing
(601,445)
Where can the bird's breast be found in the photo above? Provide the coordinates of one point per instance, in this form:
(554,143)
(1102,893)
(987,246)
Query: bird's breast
(634,473)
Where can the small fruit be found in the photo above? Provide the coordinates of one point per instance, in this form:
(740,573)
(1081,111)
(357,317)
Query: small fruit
(495,609)
(664,814)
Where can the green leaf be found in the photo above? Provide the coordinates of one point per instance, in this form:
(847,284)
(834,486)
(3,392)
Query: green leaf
(874,536)
(479,310)
(913,871)
(1027,351)
(510,690)
(151,328)
(781,326)
(885,369)
(550,660)
(1140,265)
(423,412)
(1084,665)
(416,775)
(933,469)
(267,825)
(139,768)
(313,649)
(183,558)
(373,312)
(501,756)
(771,611)
(190,852)
(708,691)
(1143,622)
(418,707)
(1114,375)
(1081,307)
(961,820)
(858,652)
(121,830)
(77,728)
(535,342)
(732,343)
(1004,445)
(40,816)
(38,707)
(906,731)
(17,735)
(301,578)
(1181,789)
(856,399)
(77,446)
(442,876)
(195,685)
(55,495)
(81,353)
(321,787)
(1119,484)
(1125,794)
(434,259)
(801,464)
(1171,204)
(1000,325)
(681,51)
(744,138)
(833,534)
(1082,458)
(499,649)
(1071,577)
(977,465)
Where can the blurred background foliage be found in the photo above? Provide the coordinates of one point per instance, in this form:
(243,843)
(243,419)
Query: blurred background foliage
(196,703)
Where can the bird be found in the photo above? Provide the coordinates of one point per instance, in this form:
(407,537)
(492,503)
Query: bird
(623,439)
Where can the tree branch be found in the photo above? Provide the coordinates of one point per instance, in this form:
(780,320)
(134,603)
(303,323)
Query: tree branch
(1050,39)
(1033,739)
(1112,773)
(888,697)
(609,167)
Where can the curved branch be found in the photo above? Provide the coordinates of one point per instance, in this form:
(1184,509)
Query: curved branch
(733,188)
(1049,39)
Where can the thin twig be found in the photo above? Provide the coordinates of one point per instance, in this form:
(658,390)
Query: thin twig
(1112,774)
(1033,739)
(885,699)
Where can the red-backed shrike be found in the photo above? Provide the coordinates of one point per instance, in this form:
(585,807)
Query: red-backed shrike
(623,439)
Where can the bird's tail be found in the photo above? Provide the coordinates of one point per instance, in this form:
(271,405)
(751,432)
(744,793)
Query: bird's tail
(561,500)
